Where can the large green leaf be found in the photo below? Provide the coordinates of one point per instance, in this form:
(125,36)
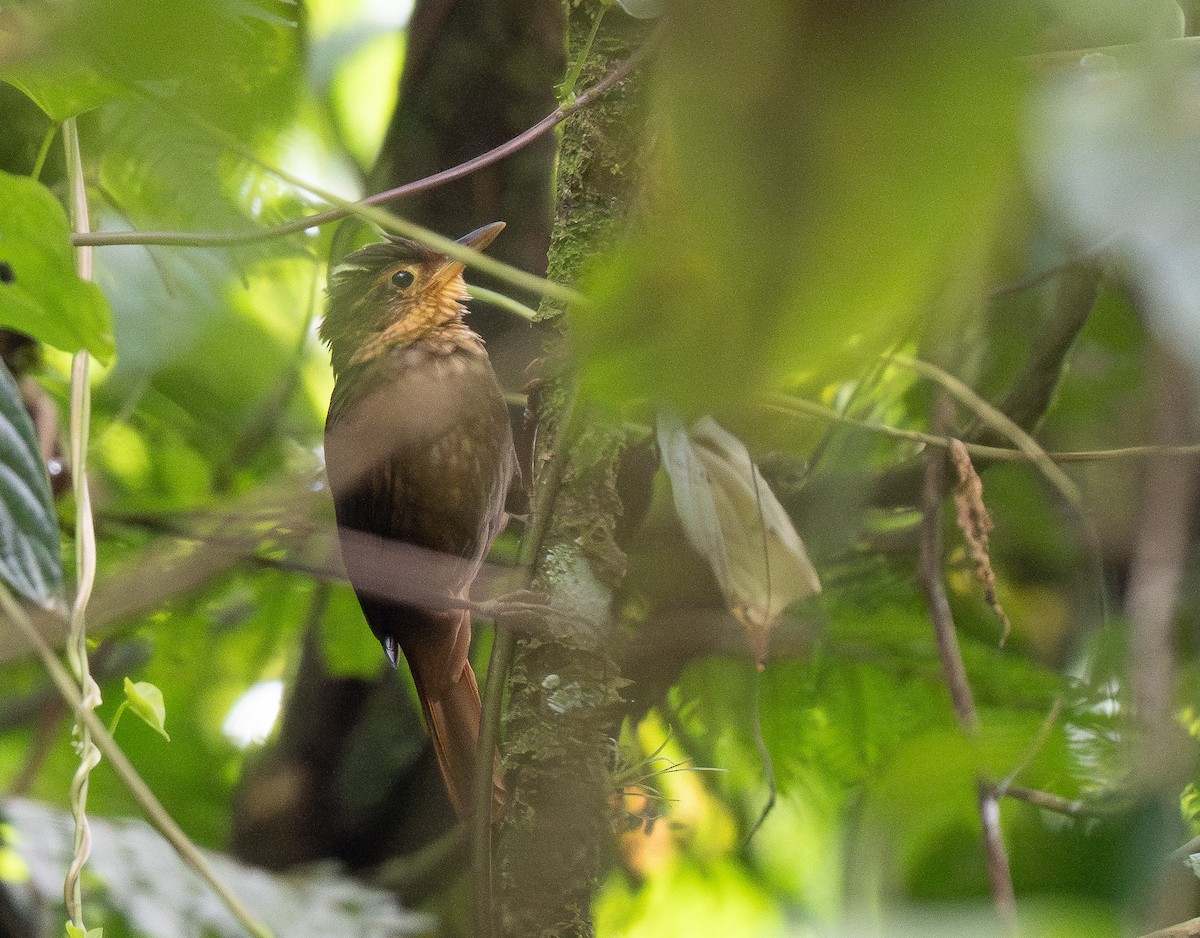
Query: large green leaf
(30,553)
(62,94)
(1115,154)
(820,167)
(40,292)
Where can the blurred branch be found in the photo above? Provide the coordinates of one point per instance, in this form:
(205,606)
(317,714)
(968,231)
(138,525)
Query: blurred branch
(1188,929)
(930,573)
(955,672)
(997,421)
(504,302)
(796,406)
(1162,550)
(212,239)
(1048,801)
(1160,555)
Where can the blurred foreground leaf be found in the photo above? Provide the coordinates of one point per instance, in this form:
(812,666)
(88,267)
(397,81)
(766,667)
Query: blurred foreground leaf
(63,95)
(817,166)
(1117,152)
(229,61)
(40,293)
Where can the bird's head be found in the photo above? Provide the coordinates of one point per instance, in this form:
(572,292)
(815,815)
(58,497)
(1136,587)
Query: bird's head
(394,292)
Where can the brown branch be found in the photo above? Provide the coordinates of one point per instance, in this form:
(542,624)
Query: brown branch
(955,672)
(494,155)
(930,572)
(799,407)
(1050,802)
(1188,929)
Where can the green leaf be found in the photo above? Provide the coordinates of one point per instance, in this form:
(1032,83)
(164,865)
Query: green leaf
(1109,157)
(62,94)
(146,700)
(819,167)
(30,557)
(40,292)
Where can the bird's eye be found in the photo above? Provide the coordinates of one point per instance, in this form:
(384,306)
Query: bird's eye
(402,279)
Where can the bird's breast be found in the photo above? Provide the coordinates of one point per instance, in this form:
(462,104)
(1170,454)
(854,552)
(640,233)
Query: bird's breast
(418,448)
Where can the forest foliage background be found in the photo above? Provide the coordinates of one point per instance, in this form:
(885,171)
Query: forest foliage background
(845,232)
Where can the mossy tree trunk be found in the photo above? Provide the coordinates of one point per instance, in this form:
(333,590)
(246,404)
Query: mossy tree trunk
(564,694)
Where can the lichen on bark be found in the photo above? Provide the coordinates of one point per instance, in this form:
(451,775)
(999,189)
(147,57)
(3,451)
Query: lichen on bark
(563,694)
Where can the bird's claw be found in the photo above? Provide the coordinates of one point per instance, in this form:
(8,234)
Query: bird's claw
(528,612)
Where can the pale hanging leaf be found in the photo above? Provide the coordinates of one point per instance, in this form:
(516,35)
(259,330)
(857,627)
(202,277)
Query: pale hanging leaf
(732,518)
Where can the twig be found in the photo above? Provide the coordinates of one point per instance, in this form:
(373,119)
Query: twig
(386,221)
(217,239)
(997,421)
(1039,740)
(1048,801)
(1048,63)
(1185,851)
(503,301)
(765,754)
(796,406)
(930,571)
(1188,929)
(43,152)
(930,574)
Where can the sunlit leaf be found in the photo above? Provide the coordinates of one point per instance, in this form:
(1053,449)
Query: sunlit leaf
(62,96)
(30,558)
(40,292)
(734,521)
(146,700)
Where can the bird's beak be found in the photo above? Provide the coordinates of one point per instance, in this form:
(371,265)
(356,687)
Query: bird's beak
(477,240)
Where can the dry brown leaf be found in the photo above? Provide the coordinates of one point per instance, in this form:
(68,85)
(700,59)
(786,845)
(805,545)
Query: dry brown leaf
(976,525)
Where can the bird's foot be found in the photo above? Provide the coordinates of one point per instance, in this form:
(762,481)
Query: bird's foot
(526,612)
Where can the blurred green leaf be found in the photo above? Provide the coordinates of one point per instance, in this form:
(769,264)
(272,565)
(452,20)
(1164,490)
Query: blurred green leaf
(40,293)
(818,166)
(1115,153)
(230,61)
(30,557)
(62,96)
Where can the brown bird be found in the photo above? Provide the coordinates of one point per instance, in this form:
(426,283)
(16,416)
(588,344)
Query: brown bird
(419,453)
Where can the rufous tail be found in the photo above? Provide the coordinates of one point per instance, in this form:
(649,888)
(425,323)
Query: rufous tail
(453,720)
